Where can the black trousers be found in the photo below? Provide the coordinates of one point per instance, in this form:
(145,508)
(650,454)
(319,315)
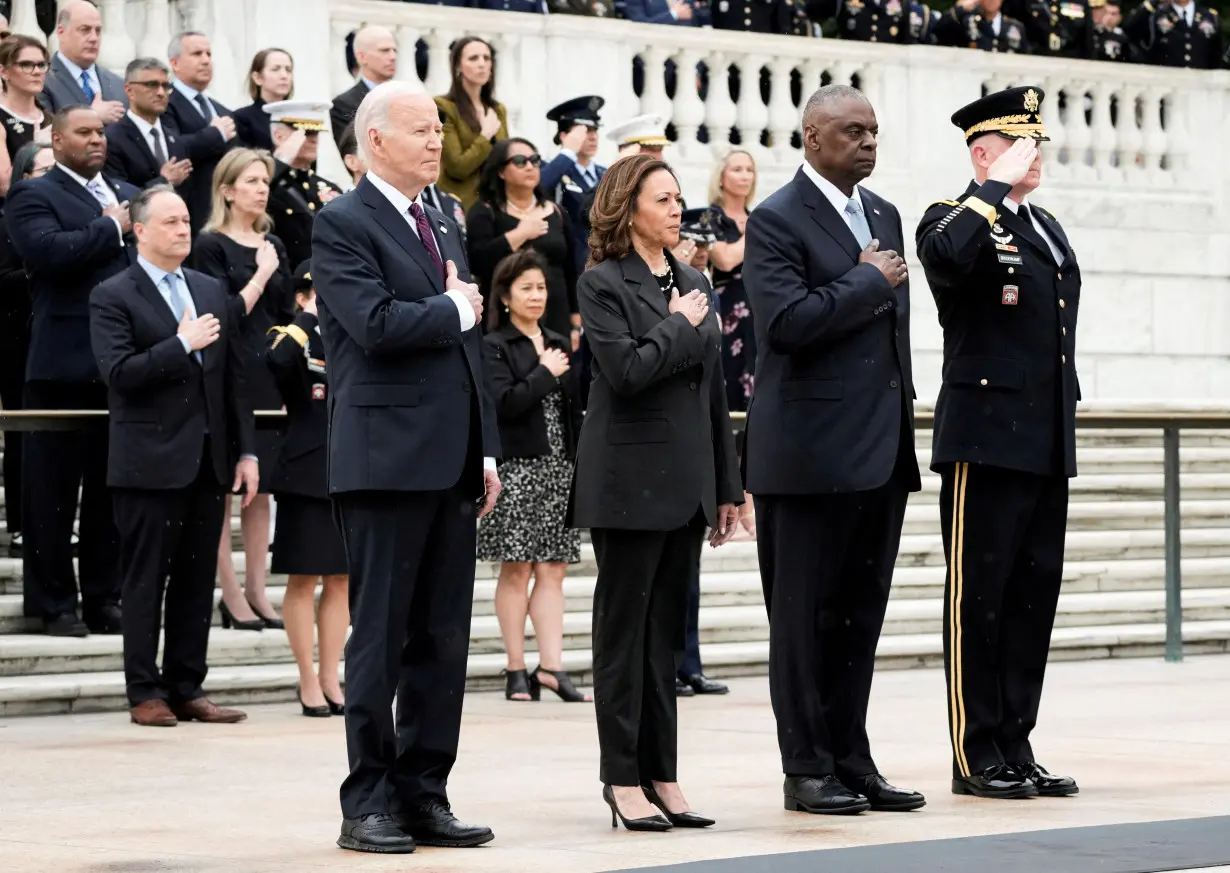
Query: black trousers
(640,604)
(411,561)
(1003,540)
(12,384)
(60,462)
(169,545)
(826,564)
(691,665)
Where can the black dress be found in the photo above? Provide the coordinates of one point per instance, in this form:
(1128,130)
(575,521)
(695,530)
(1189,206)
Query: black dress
(253,125)
(487,246)
(738,338)
(17,131)
(234,264)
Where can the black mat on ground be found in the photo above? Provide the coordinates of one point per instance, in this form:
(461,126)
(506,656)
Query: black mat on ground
(1148,847)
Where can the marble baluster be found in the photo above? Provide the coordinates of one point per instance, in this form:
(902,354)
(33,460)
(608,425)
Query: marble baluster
(439,74)
(157,33)
(653,95)
(1128,137)
(1153,145)
(1102,132)
(118,47)
(720,111)
(688,110)
(407,36)
(1178,144)
(1080,164)
(783,117)
(753,115)
(339,74)
(1053,152)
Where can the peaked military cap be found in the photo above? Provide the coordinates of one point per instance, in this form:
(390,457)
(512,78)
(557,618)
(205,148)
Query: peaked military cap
(578,110)
(308,115)
(1014,113)
(646,130)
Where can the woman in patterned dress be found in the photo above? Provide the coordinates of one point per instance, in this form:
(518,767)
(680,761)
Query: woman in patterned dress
(731,189)
(539,418)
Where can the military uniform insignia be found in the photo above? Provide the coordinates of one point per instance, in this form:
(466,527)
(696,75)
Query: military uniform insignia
(1031,101)
(1208,28)
(997,228)
(723,6)
(1004,247)
(570,185)
(324,193)
(316,365)
(1165,24)
(1012,294)
(893,8)
(1014,37)
(318,391)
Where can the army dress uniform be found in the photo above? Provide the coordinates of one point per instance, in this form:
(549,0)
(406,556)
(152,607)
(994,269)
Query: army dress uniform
(565,180)
(923,21)
(1106,43)
(974,30)
(866,20)
(753,16)
(1176,36)
(1053,27)
(295,195)
(1007,287)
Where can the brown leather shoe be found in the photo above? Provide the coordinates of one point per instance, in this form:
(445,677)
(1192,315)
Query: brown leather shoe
(153,713)
(203,709)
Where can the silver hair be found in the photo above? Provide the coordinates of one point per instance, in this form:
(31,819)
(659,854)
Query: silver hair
(141,65)
(65,17)
(176,47)
(373,112)
(139,206)
(830,94)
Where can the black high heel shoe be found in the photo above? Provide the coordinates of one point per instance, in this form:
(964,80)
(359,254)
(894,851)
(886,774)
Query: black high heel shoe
(519,682)
(678,819)
(334,708)
(229,620)
(274,623)
(649,823)
(564,689)
(313,711)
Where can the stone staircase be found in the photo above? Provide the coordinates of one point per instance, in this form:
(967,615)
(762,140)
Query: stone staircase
(1112,604)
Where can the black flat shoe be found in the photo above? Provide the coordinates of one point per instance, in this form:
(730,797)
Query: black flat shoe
(564,689)
(1048,785)
(334,708)
(434,824)
(884,797)
(229,620)
(518,682)
(702,684)
(377,833)
(677,819)
(648,823)
(65,625)
(107,620)
(274,623)
(997,782)
(683,689)
(822,795)
(313,711)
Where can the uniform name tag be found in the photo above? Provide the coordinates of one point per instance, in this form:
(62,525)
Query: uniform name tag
(1011,295)
(1005,258)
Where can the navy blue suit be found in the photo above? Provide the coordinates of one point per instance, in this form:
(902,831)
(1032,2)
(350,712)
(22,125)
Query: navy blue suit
(409,425)
(68,246)
(205,146)
(131,158)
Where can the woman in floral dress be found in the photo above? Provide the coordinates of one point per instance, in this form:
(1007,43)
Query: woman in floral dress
(731,189)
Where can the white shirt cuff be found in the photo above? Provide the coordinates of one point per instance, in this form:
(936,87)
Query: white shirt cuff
(118,229)
(187,345)
(569,154)
(488,463)
(249,458)
(464,310)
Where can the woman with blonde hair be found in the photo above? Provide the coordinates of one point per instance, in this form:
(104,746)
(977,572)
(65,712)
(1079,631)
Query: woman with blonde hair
(236,247)
(732,186)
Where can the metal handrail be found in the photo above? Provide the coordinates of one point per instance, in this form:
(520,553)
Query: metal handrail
(1169,419)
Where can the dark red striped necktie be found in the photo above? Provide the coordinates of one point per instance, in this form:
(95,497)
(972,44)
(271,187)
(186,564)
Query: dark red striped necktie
(426,236)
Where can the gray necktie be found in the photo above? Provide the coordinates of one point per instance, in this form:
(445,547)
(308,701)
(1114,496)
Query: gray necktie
(160,154)
(858,222)
(179,302)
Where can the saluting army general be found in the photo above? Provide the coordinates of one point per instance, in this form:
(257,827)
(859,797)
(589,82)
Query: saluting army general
(296,193)
(1007,286)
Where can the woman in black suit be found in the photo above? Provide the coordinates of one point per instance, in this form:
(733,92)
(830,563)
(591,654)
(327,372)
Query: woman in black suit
(307,545)
(655,466)
(271,78)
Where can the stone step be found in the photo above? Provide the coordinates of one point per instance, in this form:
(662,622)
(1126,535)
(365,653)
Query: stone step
(922,515)
(54,693)
(1119,486)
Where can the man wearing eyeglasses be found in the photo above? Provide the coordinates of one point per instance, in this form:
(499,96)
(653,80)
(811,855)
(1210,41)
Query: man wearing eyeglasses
(75,77)
(141,149)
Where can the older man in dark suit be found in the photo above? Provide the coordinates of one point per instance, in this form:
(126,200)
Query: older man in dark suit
(829,450)
(75,77)
(167,345)
(412,440)
(375,51)
(205,126)
(69,228)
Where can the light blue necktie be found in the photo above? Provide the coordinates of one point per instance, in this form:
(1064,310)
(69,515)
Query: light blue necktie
(858,222)
(87,87)
(179,302)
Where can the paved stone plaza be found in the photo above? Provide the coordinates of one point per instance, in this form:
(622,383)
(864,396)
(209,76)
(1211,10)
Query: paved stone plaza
(1146,740)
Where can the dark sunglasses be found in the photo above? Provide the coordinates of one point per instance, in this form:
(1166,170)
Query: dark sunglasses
(155,85)
(519,161)
(32,66)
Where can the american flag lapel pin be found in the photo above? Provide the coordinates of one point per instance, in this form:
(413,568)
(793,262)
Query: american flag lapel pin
(876,211)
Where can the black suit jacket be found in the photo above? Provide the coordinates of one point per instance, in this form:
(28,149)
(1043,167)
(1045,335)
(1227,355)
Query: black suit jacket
(253,126)
(407,384)
(297,358)
(518,384)
(68,247)
(1009,317)
(162,402)
(833,376)
(205,146)
(345,105)
(130,157)
(656,444)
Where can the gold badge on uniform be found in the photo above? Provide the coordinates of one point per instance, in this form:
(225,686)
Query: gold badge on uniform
(1031,100)
(1012,293)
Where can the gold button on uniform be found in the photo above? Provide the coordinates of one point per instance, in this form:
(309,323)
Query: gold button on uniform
(1061,277)
(1061,304)
(1012,269)
(1065,331)
(290,211)
(983,382)
(1063,359)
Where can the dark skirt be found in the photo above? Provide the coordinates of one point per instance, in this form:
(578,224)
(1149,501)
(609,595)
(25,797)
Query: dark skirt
(306,542)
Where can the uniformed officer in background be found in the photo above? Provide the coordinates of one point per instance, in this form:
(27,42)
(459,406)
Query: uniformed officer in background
(866,20)
(642,135)
(296,192)
(1105,39)
(981,24)
(753,16)
(923,20)
(573,173)
(1007,286)
(1053,27)
(1176,34)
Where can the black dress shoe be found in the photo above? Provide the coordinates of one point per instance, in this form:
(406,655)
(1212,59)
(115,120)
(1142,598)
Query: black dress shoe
(1047,784)
(702,684)
(683,689)
(375,832)
(66,624)
(106,620)
(884,797)
(999,782)
(434,824)
(822,795)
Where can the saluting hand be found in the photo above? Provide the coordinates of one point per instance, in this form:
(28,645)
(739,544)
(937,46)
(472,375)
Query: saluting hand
(1013,165)
(467,289)
(694,306)
(890,264)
